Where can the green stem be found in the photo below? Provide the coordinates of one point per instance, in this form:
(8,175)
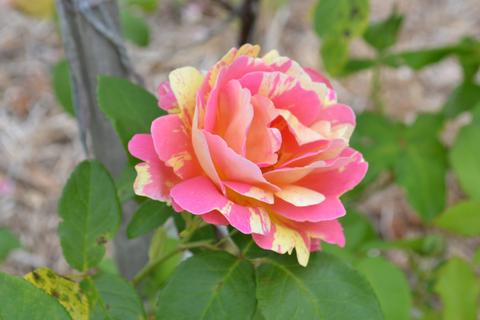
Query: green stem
(376,90)
(150,267)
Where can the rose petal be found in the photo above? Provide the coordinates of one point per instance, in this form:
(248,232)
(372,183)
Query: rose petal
(154,180)
(166,97)
(329,209)
(185,83)
(234,116)
(234,167)
(141,147)
(286,93)
(339,180)
(173,146)
(300,196)
(200,196)
(283,239)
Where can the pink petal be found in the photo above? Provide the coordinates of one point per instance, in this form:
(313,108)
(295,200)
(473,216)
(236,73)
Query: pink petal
(250,191)
(328,231)
(141,147)
(234,116)
(283,239)
(202,152)
(263,142)
(329,209)
(337,181)
(166,97)
(300,196)
(286,93)
(215,218)
(173,145)
(318,77)
(337,114)
(200,196)
(154,180)
(290,175)
(234,167)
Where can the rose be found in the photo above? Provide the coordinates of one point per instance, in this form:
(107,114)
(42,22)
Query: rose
(257,143)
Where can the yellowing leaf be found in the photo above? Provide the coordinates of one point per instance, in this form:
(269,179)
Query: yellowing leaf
(66,291)
(37,8)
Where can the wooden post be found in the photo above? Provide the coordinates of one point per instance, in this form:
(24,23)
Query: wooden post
(93,46)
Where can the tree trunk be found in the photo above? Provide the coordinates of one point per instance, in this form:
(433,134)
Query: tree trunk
(93,46)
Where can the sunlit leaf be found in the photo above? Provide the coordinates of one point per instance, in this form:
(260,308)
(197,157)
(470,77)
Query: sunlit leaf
(20,300)
(346,18)
(459,289)
(462,218)
(465,158)
(66,291)
(390,285)
(334,54)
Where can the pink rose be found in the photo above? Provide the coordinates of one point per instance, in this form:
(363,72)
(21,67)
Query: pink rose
(258,143)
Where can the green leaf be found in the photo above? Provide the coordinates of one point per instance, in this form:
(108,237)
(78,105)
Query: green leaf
(347,18)
(150,215)
(20,300)
(326,289)
(378,139)
(210,285)
(428,245)
(66,291)
(476,257)
(134,28)
(462,98)
(383,34)
(356,65)
(390,285)
(61,86)
(146,5)
(91,214)
(124,184)
(130,108)
(334,54)
(465,159)
(8,242)
(462,218)
(421,169)
(120,299)
(469,58)
(419,58)
(459,290)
